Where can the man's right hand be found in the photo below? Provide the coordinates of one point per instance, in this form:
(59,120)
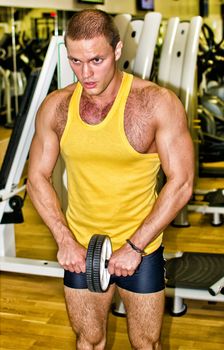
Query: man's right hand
(72,256)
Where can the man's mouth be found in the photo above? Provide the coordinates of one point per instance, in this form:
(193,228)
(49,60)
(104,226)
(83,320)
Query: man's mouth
(89,85)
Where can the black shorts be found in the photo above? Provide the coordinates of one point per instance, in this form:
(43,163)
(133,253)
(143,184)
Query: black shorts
(148,278)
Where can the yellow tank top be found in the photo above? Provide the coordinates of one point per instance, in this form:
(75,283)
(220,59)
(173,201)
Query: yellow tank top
(111,186)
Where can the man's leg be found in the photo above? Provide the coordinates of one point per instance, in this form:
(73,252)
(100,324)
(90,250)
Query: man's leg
(143,296)
(88,313)
(144,318)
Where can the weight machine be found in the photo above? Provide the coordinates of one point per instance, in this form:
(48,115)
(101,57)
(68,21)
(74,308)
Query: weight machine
(177,70)
(10,178)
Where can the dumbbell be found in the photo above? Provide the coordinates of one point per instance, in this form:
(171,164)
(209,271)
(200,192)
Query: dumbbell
(99,252)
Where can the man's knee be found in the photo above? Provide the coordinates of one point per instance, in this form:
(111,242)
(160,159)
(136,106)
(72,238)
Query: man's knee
(92,339)
(143,343)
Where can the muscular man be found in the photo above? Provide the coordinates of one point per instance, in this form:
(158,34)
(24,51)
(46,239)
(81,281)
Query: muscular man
(114,131)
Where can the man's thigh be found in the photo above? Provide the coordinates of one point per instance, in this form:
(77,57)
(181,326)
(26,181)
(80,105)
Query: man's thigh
(88,311)
(144,316)
(143,296)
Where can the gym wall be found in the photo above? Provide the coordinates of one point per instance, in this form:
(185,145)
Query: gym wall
(167,8)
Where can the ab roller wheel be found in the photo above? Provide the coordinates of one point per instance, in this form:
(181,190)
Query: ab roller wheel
(98,254)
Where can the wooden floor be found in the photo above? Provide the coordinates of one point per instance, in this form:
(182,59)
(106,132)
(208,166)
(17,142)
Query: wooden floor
(32,309)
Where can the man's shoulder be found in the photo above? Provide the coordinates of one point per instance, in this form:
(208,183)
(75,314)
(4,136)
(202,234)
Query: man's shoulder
(55,106)
(153,102)
(148,87)
(153,93)
(144,92)
(58,96)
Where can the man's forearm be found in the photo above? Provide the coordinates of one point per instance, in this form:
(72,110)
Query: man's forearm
(46,202)
(170,201)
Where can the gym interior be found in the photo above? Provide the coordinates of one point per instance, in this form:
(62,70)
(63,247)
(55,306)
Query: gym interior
(175,43)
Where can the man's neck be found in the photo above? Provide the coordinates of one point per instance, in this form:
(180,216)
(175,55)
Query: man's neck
(108,95)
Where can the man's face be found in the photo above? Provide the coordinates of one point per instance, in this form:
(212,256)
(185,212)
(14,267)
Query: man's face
(93,62)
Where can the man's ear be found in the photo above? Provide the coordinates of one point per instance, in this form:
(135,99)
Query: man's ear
(118,50)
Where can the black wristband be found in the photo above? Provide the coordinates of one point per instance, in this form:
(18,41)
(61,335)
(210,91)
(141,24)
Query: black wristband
(136,249)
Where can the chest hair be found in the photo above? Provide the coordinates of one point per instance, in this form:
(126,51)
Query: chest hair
(139,121)
(93,113)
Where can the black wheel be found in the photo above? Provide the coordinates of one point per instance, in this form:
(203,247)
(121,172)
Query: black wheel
(16,202)
(98,253)
(89,263)
(97,263)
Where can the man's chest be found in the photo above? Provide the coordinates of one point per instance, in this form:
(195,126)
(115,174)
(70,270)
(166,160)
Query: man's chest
(138,126)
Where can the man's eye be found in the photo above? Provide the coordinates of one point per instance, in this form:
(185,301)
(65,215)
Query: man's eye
(75,61)
(97,60)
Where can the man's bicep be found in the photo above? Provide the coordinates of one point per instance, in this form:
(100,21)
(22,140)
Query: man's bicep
(175,146)
(177,156)
(44,149)
(43,155)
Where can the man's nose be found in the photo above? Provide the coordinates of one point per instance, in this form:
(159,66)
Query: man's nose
(86,71)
